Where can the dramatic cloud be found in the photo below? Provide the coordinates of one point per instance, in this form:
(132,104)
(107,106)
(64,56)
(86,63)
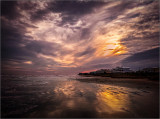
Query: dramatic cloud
(9,9)
(73,36)
(139,59)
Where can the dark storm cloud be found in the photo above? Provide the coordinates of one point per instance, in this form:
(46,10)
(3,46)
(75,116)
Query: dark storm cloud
(68,19)
(24,24)
(16,45)
(34,10)
(16,52)
(149,54)
(149,17)
(42,62)
(154,35)
(85,33)
(43,47)
(77,8)
(12,39)
(145,30)
(88,51)
(146,36)
(143,59)
(119,9)
(133,15)
(39,15)
(28,5)
(10,34)
(101,66)
(152,15)
(145,2)
(71,11)
(12,45)
(143,39)
(9,9)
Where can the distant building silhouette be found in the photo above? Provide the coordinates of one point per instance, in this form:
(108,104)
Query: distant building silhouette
(121,70)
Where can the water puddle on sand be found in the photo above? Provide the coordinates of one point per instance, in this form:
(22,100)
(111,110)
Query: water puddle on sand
(112,99)
(49,97)
(97,100)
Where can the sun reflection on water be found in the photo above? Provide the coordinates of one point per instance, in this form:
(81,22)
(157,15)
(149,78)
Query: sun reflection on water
(96,98)
(112,100)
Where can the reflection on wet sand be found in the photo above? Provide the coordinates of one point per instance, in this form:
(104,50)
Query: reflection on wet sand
(100,98)
(75,99)
(112,100)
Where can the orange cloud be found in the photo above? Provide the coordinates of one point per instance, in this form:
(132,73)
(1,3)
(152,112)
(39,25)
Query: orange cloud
(28,62)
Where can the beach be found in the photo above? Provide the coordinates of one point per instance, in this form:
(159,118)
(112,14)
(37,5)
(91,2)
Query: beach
(79,97)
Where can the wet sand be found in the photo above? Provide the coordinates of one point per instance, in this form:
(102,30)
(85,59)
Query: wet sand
(126,82)
(78,97)
(144,96)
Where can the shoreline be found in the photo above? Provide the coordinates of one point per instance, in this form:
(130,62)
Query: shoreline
(124,82)
(132,75)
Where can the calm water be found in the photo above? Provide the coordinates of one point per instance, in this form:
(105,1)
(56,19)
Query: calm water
(61,96)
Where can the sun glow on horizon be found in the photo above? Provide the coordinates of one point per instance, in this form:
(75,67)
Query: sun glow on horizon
(28,62)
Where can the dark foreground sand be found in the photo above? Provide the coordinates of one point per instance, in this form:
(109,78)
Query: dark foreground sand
(126,82)
(144,94)
(78,97)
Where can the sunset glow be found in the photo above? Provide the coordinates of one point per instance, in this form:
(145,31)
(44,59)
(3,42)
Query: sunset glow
(28,62)
(80,58)
(69,37)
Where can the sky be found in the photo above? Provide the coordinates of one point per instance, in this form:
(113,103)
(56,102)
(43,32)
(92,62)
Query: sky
(68,37)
